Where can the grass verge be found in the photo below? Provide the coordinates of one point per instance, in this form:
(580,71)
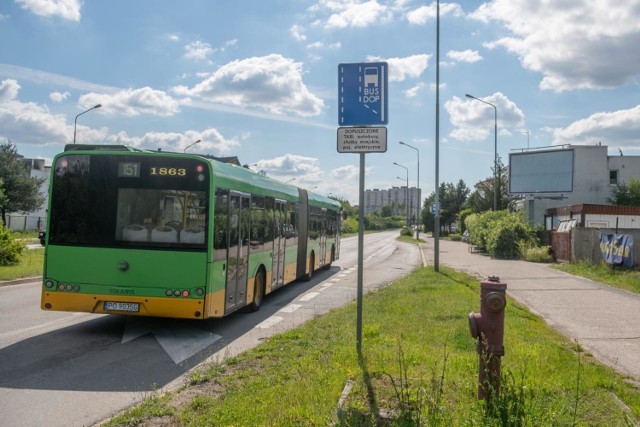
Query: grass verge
(31,264)
(617,277)
(418,366)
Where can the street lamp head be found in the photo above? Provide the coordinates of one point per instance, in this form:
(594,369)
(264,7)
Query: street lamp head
(469,96)
(97,106)
(194,143)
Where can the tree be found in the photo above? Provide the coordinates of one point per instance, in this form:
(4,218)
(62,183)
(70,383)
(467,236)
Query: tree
(626,194)
(481,199)
(21,191)
(452,198)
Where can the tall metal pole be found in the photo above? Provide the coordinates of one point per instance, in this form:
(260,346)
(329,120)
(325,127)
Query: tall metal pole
(436,220)
(418,187)
(75,122)
(495,149)
(406,201)
(360,257)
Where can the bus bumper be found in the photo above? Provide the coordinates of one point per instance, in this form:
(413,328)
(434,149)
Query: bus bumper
(188,308)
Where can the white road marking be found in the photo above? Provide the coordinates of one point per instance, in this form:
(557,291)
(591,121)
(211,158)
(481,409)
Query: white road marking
(309,296)
(273,320)
(290,308)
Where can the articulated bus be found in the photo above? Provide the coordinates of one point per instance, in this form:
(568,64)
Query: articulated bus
(176,235)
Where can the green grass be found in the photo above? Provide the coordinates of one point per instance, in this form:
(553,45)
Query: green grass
(617,277)
(30,265)
(418,366)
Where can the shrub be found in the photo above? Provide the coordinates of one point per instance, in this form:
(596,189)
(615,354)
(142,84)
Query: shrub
(406,232)
(537,254)
(10,247)
(456,237)
(502,234)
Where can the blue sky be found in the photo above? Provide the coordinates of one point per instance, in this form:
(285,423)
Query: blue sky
(258,79)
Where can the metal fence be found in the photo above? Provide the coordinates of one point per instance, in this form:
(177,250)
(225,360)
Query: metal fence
(25,222)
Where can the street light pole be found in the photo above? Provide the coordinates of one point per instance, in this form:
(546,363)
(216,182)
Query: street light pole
(194,143)
(407,192)
(75,122)
(495,149)
(418,185)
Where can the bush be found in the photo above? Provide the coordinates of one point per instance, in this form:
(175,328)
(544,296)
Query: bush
(502,234)
(456,237)
(10,247)
(350,225)
(537,254)
(406,232)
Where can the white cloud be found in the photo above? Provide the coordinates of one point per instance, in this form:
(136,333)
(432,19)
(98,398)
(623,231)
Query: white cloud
(198,50)
(413,91)
(423,14)
(352,13)
(464,55)
(297,32)
(322,45)
(132,102)
(51,79)
(290,165)
(580,44)
(66,9)
(211,141)
(272,83)
(32,124)
(474,120)
(59,96)
(616,129)
(9,90)
(404,68)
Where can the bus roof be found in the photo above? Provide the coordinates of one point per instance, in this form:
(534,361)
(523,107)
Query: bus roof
(227,175)
(247,180)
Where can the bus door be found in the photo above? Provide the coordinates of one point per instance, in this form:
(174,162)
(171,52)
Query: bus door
(239,217)
(323,237)
(279,241)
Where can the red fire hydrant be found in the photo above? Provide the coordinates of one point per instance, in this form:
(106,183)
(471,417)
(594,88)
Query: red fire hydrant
(488,328)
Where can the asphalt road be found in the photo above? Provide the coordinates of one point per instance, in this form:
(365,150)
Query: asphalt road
(67,369)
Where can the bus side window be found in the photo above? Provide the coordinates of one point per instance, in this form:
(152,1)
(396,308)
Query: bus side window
(221,224)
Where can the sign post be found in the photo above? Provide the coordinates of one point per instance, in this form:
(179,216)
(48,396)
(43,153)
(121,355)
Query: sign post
(362,108)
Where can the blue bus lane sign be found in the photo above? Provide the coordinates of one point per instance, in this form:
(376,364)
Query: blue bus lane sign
(363,94)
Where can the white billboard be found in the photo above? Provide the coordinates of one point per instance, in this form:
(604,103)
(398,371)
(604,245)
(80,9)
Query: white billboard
(541,172)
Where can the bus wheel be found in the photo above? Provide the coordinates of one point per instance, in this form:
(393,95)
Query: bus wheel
(312,264)
(258,292)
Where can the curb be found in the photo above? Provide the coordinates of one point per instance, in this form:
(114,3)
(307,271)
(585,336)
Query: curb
(20,281)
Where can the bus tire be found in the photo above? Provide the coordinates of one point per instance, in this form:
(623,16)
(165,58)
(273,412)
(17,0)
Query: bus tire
(312,264)
(258,292)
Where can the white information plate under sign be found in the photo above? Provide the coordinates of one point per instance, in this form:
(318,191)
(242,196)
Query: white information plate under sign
(371,139)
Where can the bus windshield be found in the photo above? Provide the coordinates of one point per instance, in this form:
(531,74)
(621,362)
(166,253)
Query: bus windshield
(129,200)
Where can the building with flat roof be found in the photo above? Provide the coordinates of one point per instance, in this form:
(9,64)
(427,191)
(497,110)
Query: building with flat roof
(398,198)
(568,175)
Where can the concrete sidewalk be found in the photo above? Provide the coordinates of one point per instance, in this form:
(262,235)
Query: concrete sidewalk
(602,319)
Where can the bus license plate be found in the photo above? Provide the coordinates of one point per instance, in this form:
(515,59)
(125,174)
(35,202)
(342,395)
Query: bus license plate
(121,306)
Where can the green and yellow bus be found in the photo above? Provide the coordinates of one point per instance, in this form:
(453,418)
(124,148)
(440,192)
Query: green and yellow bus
(176,235)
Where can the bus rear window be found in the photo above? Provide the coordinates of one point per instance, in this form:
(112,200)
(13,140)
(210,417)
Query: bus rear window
(160,216)
(129,201)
